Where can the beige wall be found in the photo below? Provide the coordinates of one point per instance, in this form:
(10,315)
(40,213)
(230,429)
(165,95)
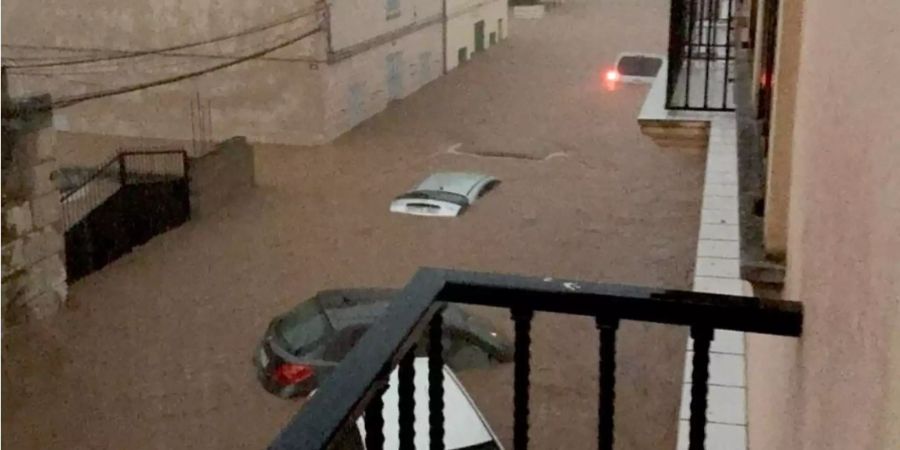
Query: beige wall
(276,99)
(461,18)
(356,21)
(357,87)
(836,387)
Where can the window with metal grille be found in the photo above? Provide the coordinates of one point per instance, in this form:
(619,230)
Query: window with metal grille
(392,9)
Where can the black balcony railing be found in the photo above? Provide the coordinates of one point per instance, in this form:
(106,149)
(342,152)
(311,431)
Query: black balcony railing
(700,55)
(355,387)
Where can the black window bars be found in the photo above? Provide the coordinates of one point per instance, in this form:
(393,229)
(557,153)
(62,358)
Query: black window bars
(701,58)
(358,383)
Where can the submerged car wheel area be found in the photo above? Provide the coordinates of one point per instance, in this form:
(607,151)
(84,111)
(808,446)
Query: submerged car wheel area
(303,346)
(465,428)
(444,194)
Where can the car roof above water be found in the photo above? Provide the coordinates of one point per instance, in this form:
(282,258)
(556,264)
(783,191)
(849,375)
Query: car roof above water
(460,183)
(348,307)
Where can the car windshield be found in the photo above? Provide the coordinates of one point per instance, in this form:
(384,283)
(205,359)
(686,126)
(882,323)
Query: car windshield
(305,328)
(443,196)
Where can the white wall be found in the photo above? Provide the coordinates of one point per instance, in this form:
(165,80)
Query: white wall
(357,87)
(462,16)
(356,21)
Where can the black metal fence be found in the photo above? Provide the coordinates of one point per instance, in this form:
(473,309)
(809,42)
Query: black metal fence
(122,204)
(356,386)
(700,56)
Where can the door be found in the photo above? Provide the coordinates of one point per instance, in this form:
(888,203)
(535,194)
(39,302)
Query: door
(479,36)
(394,75)
(424,68)
(355,104)
(462,54)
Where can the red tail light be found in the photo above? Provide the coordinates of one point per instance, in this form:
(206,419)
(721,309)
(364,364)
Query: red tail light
(612,75)
(287,374)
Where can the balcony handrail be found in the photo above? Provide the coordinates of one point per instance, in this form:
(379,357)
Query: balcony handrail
(362,375)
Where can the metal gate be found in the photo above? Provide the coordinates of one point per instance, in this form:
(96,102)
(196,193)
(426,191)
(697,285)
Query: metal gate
(122,204)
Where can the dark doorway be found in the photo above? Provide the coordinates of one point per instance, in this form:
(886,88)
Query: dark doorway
(462,55)
(479,36)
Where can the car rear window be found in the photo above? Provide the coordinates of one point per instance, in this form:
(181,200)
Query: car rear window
(443,196)
(305,328)
(423,206)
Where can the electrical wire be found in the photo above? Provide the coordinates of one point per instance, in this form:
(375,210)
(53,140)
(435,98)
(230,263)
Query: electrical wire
(164,64)
(72,100)
(122,54)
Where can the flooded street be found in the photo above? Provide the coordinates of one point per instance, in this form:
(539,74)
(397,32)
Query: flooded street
(155,351)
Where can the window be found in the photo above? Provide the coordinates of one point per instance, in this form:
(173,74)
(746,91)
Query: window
(304,328)
(392,9)
(394,63)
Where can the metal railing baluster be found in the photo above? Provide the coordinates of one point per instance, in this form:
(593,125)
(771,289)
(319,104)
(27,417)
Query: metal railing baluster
(522,372)
(374,422)
(699,388)
(607,365)
(406,389)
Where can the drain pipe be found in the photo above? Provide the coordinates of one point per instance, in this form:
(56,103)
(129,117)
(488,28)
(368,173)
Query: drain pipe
(444,37)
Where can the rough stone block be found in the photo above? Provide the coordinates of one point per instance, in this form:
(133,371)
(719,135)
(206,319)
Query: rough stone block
(17,220)
(48,241)
(26,150)
(44,144)
(46,209)
(13,288)
(35,308)
(13,257)
(48,273)
(61,290)
(39,178)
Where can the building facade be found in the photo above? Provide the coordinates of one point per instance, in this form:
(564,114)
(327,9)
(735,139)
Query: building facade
(830,151)
(472,27)
(357,57)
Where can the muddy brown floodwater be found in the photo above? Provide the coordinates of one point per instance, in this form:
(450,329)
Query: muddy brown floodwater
(155,351)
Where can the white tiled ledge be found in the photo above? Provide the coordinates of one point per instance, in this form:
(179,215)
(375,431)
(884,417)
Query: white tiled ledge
(717,270)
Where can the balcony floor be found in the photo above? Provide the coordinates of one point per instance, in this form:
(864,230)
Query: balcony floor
(155,350)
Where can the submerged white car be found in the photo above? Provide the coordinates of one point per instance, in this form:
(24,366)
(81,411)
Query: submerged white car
(464,426)
(445,194)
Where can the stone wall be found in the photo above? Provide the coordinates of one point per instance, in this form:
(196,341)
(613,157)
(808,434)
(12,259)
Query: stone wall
(33,261)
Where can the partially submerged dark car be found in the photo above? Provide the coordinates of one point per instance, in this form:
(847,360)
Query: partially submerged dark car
(301,347)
